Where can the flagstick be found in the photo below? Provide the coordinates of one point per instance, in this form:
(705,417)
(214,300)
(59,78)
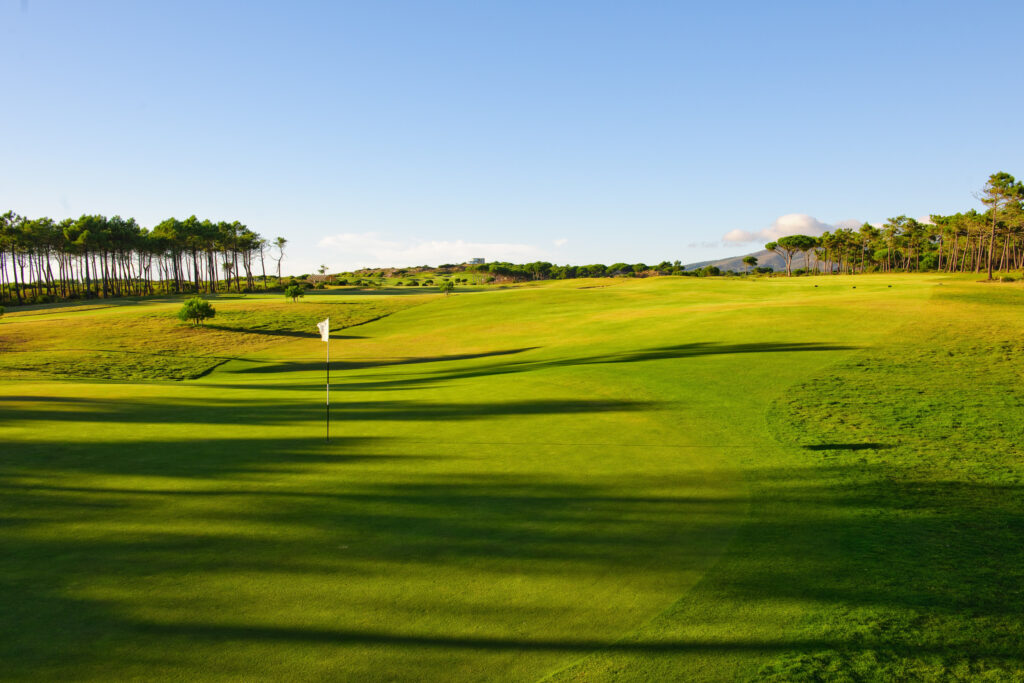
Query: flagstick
(328,389)
(325,334)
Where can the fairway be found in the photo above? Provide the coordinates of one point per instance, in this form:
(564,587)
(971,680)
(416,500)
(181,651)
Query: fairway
(638,479)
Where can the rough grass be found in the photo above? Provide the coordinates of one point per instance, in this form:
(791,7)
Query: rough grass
(129,342)
(673,479)
(927,433)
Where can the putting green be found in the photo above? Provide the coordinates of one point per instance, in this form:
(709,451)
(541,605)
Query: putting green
(568,481)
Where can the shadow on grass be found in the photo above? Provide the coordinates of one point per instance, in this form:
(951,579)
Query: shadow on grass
(868,446)
(428,377)
(704,349)
(96,303)
(680,352)
(193,458)
(273,367)
(281,333)
(370,291)
(271,634)
(289,412)
(865,541)
(849,536)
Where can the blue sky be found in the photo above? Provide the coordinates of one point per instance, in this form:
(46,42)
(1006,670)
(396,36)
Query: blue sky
(403,133)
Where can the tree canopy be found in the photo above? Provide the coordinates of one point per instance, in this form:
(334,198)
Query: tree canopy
(97,256)
(196,310)
(962,242)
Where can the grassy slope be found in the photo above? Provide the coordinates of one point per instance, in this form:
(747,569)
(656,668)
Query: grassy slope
(529,483)
(141,339)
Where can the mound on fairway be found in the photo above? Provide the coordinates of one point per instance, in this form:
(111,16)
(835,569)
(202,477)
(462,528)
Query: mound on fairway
(653,479)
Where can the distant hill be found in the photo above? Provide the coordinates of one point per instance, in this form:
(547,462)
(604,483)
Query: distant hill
(735,263)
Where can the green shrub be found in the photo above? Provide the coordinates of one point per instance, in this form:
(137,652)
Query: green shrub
(293,292)
(196,310)
(1008,278)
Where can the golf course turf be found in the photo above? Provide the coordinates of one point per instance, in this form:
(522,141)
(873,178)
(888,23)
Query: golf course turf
(637,479)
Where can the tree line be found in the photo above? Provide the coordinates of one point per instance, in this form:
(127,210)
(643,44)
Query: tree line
(972,241)
(543,270)
(95,256)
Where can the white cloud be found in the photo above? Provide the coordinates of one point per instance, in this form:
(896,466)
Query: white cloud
(371,250)
(561,242)
(739,236)
(790,224)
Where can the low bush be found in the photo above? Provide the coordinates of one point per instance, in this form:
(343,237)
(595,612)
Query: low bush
(196,310)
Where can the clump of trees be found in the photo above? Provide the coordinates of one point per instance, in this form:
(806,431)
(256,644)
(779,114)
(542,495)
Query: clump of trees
(43,260)
(971,241)
(502,271)
(790,245)
(96,256)
(196,310)
(293,292)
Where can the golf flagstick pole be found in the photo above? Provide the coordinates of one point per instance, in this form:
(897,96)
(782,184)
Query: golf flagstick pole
(325,334)
(328,389)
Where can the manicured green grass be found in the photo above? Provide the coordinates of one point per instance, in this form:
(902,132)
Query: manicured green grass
(135,339)
(674,478)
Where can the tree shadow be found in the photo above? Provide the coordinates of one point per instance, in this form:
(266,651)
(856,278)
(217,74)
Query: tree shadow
(850,536)
(280,333)
(867,446)
(680,351)
(370,291)
(704,349)
(569,645)
(291,412)
(271,367)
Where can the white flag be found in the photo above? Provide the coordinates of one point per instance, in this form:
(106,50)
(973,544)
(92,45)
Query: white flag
(325,329)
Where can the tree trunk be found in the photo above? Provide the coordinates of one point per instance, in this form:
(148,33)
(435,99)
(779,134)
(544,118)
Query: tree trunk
(991,243)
